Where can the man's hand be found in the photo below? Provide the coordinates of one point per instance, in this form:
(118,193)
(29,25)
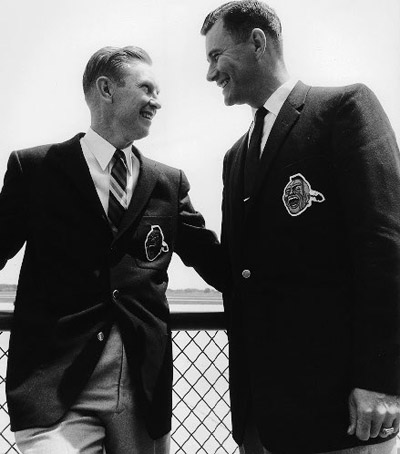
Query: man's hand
(370,412)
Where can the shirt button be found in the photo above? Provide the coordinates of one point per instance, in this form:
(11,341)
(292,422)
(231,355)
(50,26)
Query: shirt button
(246,274)
(115,294)
(100,336)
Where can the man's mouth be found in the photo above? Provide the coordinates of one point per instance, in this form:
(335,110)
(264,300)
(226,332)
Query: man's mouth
(293,201)
(148,114)
(224,83)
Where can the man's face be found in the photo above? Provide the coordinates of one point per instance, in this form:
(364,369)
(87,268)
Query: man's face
(231,65)
(297,195)
(136,102)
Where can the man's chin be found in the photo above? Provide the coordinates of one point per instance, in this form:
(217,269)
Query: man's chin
(142,134)
(229,101)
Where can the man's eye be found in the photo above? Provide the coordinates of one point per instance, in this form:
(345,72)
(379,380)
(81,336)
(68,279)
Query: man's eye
(146,89)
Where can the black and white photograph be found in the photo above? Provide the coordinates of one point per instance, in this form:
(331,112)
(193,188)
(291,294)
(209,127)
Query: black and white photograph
(200,227)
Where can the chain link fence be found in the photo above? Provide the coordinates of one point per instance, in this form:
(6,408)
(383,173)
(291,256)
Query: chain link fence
(201,416)
(6,437)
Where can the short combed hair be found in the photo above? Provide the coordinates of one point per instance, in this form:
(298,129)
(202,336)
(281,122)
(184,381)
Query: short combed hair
(111,62)
(241,17)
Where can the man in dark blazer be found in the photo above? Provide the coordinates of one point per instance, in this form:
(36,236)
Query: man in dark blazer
(90,361)
(311,232)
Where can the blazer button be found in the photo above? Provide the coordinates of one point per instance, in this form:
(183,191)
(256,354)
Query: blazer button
(100,336)
(115,294)
(246,274)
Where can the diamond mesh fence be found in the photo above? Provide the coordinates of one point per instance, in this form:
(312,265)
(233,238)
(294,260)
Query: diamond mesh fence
(201,416)
(7,444)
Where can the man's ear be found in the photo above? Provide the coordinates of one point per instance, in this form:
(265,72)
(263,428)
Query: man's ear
(105,88)
(259,40)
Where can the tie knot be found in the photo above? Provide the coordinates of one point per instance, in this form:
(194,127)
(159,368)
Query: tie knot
(119,155)
(260,114)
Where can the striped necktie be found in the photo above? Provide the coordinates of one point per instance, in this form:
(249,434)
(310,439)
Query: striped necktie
(252,162)
(118,199)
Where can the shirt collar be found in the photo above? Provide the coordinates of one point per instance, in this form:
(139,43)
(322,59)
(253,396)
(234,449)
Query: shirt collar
(103,151)
(275,102)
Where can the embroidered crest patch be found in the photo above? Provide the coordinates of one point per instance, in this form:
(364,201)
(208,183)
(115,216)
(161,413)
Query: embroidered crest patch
(298,195)
(155,244)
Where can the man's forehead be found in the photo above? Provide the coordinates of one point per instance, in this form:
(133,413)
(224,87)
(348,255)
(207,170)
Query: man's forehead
(137,67)
(142,71)
(297,181)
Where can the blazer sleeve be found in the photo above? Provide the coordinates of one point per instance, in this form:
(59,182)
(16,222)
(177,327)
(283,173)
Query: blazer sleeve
(367,163)
(13,211)
(197,246)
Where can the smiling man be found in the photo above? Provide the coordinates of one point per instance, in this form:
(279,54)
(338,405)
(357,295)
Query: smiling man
(311,233)
(90,363)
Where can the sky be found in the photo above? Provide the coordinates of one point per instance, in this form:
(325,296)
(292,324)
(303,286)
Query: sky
(45,44)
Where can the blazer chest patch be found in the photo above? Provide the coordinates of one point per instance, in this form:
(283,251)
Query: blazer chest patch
(298,195)
(155,244)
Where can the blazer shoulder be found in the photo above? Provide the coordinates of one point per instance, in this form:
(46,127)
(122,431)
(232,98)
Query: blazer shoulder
(361,94)
(339,93)
(356,99)
(39,152)
(32,153)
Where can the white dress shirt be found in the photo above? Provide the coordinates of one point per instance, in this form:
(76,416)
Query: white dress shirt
(273,104)
(98,154)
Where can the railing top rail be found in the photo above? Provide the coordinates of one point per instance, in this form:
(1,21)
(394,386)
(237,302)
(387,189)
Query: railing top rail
(180,320)
(6,319)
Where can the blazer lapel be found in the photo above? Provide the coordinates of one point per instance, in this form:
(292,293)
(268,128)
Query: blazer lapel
(236,175)
(287,117)
(235,183)
(148,176)
(68,158)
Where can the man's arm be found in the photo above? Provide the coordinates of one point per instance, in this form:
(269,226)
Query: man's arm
(13,211)
(367,162)
(197,246)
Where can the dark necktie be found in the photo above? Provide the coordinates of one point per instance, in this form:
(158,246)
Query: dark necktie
(252,162)
(118,199)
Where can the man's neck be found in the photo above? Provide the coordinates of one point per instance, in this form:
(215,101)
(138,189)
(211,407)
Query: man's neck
(108,134)
(269,86)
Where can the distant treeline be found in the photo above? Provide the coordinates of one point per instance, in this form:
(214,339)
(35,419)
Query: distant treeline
(192,291)
(8,287)
(185,291)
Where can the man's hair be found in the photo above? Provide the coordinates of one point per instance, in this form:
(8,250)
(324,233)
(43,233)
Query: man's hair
(111,62)
(242,16)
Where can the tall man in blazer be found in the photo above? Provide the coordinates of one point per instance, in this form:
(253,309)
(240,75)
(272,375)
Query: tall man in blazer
(311,231)
(90,351)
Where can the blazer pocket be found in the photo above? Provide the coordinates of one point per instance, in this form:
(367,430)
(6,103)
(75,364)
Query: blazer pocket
(153,241)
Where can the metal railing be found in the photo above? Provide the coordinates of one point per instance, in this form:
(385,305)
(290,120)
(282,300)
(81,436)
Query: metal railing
(201,416)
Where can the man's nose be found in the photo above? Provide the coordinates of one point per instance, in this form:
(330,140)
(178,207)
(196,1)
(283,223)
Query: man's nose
(211,73)
(155,102)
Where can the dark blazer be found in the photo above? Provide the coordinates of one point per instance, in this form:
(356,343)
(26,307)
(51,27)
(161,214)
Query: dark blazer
(314,306)
(77,279)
